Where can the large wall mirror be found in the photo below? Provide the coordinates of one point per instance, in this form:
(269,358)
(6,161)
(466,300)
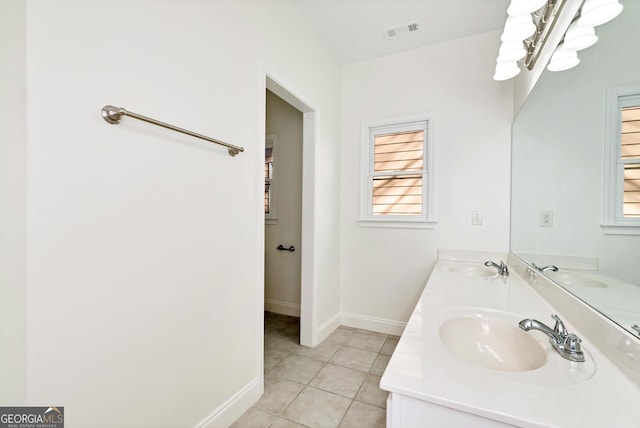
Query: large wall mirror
(558,171)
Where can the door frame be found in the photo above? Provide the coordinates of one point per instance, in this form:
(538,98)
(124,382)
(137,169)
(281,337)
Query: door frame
(308,267)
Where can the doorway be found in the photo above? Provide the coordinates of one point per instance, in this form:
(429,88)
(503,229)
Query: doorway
(283,206)
(300,299)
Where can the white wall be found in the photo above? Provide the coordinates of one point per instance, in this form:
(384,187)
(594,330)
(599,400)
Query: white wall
(145,247)
(282,268)
(558,154)
(383,271)
(13,203)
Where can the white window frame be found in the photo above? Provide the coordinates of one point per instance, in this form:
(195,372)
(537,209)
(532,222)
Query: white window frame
(614,222)
(427,219)
(270,141)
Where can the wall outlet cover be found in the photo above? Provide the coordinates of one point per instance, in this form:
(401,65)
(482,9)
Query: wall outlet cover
(546,218)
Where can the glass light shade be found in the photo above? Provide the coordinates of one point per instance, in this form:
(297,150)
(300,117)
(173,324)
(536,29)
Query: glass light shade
(510,52)
(506,70)
(563,59)
(597,12)
(524,7)
(518,28)
(577,38)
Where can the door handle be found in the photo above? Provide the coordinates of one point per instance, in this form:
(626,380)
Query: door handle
(283,248)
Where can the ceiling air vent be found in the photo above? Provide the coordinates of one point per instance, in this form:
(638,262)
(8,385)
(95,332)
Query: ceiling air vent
(401,30)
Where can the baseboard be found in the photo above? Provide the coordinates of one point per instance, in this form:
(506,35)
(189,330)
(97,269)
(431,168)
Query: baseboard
(233,408)
(371,323)
(328,327)
(284,308)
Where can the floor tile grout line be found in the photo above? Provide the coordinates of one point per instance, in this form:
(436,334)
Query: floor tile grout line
(345,414)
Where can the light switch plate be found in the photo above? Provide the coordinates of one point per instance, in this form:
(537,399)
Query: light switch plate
(476,218)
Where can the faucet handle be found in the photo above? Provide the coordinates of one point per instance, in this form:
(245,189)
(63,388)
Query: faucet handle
(559,328)
(573,349)
(503,269)
(572,343)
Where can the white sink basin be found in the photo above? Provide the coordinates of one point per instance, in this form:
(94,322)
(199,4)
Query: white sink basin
(471,270)
(491,340)
(574,279)
(492,343)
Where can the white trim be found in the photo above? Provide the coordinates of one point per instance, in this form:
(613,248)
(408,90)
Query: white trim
(397,224)
(258,313)
(620,229)
(284,308)
(428,219)
(379,325)
(328,327)
(309,252)
(234,407)
(364,322)
(614,222)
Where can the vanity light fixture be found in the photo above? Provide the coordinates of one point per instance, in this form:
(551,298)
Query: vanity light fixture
(511,52)
(597,12)
(524,7)
(529,22)
(563,59)
(506,70)
(518,28)
(578,38)
(542,15)
(581,34)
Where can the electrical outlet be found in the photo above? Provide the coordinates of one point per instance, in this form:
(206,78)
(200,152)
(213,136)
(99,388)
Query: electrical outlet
(546,218)
(476,218)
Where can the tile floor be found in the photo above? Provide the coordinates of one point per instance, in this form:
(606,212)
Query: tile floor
(335,384)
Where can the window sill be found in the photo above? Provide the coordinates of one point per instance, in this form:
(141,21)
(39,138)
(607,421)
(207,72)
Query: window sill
(620,229)
(399,224)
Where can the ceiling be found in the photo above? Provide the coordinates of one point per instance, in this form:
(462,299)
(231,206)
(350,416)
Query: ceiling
(354,29)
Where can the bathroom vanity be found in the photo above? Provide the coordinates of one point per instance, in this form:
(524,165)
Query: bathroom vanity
(462,359)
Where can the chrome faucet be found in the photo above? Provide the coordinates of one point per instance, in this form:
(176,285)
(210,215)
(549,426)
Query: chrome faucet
(565,344)
(502,268)
(545,268)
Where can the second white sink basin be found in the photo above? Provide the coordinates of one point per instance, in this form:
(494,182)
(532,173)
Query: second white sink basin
(472,270)
(492,343)
(574,279)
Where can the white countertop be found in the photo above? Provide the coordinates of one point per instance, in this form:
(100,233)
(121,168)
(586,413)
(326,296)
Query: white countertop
(422,368)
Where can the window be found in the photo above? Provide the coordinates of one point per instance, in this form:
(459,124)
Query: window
(269,179)
(622,162)
(396,189)
(630,155)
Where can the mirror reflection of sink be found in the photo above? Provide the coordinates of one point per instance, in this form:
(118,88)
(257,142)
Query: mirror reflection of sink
(492,343)
(574,279)
(471,270)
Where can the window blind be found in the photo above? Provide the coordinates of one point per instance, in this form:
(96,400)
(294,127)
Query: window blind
(397,189)
(630,150)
